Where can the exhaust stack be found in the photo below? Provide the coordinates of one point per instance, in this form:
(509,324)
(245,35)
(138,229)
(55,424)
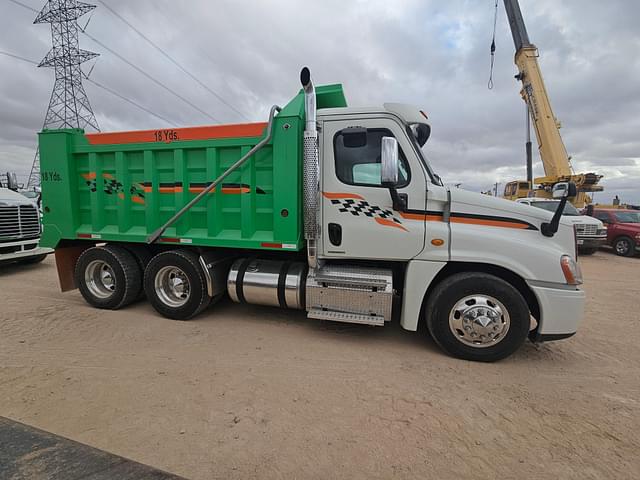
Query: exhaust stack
(311,169)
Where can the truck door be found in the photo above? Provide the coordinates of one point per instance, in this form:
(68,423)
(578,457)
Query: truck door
(358,219)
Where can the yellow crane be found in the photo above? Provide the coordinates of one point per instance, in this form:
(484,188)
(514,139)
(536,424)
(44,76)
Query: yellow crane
(555,160)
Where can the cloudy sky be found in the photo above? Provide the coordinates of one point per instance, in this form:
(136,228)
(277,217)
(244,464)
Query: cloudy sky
(430,53)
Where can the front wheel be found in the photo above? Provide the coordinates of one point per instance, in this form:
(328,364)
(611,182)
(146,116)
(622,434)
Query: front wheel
(477,316)
(587,250)
(624,246)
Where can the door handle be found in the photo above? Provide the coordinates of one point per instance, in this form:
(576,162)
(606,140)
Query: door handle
(335,234)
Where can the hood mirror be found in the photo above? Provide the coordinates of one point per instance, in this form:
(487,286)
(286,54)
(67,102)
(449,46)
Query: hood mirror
(562,191)
(12,181)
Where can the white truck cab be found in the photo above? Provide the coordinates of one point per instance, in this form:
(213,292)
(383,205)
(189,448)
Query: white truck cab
(19,229)
(591,234)
(477,268)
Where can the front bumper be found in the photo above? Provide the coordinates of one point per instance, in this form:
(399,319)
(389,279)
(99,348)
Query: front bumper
(561,311)
(11,251)
(591,242)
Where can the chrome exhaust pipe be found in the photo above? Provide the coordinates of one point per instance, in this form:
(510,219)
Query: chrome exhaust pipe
(311,169)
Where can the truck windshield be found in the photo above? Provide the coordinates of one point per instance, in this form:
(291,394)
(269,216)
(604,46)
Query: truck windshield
(552,206)
(435,178)
(627,217)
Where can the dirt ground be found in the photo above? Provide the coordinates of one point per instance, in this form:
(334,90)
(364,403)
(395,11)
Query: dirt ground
(253,392)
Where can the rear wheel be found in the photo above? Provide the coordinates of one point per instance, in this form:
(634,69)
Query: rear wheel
(108,277)
(175,284)
(624,246)
(143,256)
(477,316)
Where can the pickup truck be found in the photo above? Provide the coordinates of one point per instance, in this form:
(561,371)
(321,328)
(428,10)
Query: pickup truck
(326,208)
(591,234)
(623,229)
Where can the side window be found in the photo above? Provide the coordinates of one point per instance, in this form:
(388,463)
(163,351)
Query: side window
(357,156)
(602,216)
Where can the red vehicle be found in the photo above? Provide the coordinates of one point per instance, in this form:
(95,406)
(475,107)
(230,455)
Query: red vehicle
(623,229)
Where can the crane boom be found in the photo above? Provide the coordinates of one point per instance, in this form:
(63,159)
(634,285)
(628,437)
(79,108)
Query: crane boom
(555,160)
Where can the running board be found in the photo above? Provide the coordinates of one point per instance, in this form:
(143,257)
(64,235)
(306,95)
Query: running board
(346,317)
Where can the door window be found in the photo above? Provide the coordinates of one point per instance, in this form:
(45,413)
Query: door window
(357,155)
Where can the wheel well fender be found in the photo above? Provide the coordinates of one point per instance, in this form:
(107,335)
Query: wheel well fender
(505,274)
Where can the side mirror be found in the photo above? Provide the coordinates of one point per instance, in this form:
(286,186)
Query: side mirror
(389,161)
(12,181)
(564,190)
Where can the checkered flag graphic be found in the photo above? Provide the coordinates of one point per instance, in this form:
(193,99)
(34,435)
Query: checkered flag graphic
(362,207)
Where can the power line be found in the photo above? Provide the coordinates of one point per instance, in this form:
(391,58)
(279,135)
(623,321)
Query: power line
(172,60)
(157,82)
(24,5)
(18,56)
(132,65)
(122,97)
(99,85)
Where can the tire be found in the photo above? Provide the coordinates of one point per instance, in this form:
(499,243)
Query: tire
(166,278)
(34,259)
(587,251)
(624,246)
(108,277)
(490,298)
(143,256)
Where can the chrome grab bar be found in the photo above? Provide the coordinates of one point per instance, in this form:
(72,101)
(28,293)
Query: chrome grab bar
(155,235)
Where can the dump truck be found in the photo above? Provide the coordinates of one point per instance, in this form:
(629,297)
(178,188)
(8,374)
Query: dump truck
(326,208)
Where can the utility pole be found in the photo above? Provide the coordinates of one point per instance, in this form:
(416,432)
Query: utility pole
(495,189)
(69,105)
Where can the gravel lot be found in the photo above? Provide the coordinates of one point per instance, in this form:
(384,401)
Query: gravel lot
(252,392)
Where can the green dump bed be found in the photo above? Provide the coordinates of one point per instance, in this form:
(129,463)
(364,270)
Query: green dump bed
(123,186)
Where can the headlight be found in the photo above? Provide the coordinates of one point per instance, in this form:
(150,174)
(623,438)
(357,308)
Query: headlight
(571,270)
(602,231)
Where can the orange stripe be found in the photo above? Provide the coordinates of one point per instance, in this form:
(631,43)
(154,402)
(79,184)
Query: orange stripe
(421,216)
(169,189)
(389,223)
(147,189)
(89,176)
(235,190)
(335,196)
(121,196)
(489,223)
(108,176)
(137,200)
(469,221)
(178,134)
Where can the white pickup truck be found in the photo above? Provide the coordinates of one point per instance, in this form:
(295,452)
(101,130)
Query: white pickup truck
(591,234)
(19,229)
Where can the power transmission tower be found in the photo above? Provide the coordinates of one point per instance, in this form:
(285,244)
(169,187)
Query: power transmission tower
(69,105)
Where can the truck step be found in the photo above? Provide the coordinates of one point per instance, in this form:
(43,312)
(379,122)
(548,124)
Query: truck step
(346,317)
(347,293)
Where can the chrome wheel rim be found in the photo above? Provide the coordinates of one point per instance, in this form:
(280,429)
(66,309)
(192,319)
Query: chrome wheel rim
(100,279)
(479,321)
(172,286)
(622,246)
